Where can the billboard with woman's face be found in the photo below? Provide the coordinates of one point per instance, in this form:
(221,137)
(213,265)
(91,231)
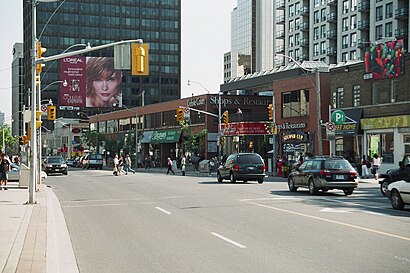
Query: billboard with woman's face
(92,82)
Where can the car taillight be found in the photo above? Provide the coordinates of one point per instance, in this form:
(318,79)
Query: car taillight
(325,173)
(264,168)
(88,161)
(353,174)
(236,168)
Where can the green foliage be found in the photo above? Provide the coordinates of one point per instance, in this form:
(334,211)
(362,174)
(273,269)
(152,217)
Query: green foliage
(9,140)
(91,138)
(194,142)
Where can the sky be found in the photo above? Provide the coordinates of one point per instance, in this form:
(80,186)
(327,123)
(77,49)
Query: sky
(205,38)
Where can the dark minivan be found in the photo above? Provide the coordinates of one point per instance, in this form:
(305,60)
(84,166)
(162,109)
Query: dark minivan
(242,166)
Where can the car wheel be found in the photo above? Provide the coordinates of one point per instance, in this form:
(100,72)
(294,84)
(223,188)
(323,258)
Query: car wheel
(383,187)
(88,167)
(232,178)
(395,200)
(291,184)
(260,181)
(312,187)
(219,177)
(101,168)
(325,190)
(348,191)
(65,173)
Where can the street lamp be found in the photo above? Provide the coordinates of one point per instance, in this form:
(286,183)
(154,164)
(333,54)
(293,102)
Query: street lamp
(318,106)
(200,84)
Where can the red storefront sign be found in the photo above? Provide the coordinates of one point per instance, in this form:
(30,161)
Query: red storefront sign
(246,128)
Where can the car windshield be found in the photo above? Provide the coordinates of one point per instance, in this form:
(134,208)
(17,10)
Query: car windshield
(96,157)
(249,159)
(55,160)
(337,165)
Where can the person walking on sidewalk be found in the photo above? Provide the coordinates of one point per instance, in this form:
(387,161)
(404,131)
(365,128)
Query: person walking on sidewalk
(365,167)
(376,165)
(127,164)
(183,164)
(116,165)
(169,165)
(4,170)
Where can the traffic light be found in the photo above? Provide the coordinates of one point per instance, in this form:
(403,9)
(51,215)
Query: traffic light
(24,140)
(40,51)
(139,60)
(38,80)
(225,117)
(51,112)
(180,114)
(38,121)
(222,141)
(270,111)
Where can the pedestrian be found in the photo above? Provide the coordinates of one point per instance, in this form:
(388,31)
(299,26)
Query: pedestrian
(116,165)
(4,170)
(127,164)
(169,165)
(365,167)
(376,165)
(183,165)
(211,165)
(120,165)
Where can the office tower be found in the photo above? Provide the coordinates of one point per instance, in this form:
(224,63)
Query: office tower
(18,97)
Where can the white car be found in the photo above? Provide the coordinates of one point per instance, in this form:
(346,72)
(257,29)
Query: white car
(399,193)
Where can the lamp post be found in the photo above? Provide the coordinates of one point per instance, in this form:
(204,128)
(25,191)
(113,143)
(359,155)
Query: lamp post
(318,106)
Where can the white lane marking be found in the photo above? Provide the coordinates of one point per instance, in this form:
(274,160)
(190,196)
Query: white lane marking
(271,198)
(228,240)
(161,209)
(333,221)
(337,210)
(171,197)
(375,213)
(95,205)
(104,200)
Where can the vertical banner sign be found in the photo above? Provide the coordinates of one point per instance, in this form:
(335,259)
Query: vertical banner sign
(73,71)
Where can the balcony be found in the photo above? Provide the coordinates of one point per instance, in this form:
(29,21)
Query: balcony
(401,13)
(280,19)
(363,6)
(401,33)
(363,24)
(304,11)
(280,48)
(331,51)
(280,34)
(331,2)
(331,17)
(304,42)
(362,43)
(331,33)
(280,4)
(304,26)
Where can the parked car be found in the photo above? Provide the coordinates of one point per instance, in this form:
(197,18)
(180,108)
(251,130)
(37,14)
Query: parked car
(14,174)
(402,173)
(324,173)
(242,166)
(93,161)
(70,162)
(399,193)
(55,164)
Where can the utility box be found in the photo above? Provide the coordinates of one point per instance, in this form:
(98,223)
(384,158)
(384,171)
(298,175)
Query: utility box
(24,176)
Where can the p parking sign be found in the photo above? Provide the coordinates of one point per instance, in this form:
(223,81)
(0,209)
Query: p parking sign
(338,117)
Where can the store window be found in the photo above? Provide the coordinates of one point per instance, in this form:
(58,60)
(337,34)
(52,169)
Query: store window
(406,139)
(112,126)
(101,127)
(295,103)
(383,145)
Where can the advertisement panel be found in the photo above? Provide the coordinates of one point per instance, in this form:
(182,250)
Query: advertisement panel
(246,128)
(91,82)
(384,60)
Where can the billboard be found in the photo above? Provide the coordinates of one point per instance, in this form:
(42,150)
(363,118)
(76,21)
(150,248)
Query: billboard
(91,82)
(384,60)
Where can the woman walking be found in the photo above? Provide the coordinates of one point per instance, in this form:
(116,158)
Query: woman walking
(376,165)
(169,165)
(365,167)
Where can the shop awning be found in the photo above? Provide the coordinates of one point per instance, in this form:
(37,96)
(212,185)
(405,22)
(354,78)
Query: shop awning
(166,136)
(147,136)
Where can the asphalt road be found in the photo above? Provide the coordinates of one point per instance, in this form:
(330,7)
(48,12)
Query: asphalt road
(164,223)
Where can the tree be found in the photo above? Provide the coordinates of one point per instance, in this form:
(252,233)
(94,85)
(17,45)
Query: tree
(91,138)
(9,140)
(193,142)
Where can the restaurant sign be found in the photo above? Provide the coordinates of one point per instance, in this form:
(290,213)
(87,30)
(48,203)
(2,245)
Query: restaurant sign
(246,128)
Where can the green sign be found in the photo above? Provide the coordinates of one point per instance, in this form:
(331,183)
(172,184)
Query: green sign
(169,136)
(338,117)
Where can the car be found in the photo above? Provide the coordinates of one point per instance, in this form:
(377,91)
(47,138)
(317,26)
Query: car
(242,166)
(55,164)
(324,173)
(93,161)
(14,173)
(402,173)
(70,162)
(399,194)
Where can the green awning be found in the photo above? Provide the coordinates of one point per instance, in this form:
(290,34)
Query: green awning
(166,136)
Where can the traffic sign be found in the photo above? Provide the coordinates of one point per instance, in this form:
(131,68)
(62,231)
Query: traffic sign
(338,117)
(330,126)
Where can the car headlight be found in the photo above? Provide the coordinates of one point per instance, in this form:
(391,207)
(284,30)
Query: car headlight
(49,166)
(64,165)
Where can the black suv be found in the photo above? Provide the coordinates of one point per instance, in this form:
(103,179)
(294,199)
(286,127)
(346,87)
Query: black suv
(242,166)
(393,175)
(324,173)
(55,164)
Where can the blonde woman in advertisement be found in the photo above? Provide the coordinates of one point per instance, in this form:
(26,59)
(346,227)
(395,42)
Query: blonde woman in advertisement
(103,82)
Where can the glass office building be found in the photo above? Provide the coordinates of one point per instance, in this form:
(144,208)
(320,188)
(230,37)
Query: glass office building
(63,24)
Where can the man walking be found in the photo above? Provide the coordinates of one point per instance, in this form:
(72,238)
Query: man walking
(127,164)
(4,169)
(169,165)
(183,164)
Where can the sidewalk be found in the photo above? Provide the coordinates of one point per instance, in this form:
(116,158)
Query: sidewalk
(28,233)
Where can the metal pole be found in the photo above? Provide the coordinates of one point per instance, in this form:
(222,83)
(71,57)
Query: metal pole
(33,141)
(136,129)
(319,114)
(220,152)
(274,151)
(39,133)
(3,148)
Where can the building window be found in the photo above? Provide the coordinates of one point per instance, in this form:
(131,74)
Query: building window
(337,98)
(345,6)
(353,55)
(375,93)
(393,90)
(317,3)
(295,103)
(379,13)
(291,10)
(297,42)
(323,31)
(345,41)
(353,22)
(353,5)
(345,24)
(389,30)
(382,144)
(406,139)
(290,41)
(345,56)
(389,10)
(353,40)
(379,32)
(315,49)
(356,95)
(323,15)
(316,17)
(291,26)
(316,33)
(323,48)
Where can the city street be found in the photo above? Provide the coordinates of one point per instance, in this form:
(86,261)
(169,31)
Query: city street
(152,222)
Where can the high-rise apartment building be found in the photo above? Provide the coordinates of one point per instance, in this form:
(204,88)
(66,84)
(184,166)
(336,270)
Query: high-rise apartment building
(67,24)
(337,30)
(252,40)
(18,97)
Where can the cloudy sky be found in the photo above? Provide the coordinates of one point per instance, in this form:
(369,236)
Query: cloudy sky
(205,38)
